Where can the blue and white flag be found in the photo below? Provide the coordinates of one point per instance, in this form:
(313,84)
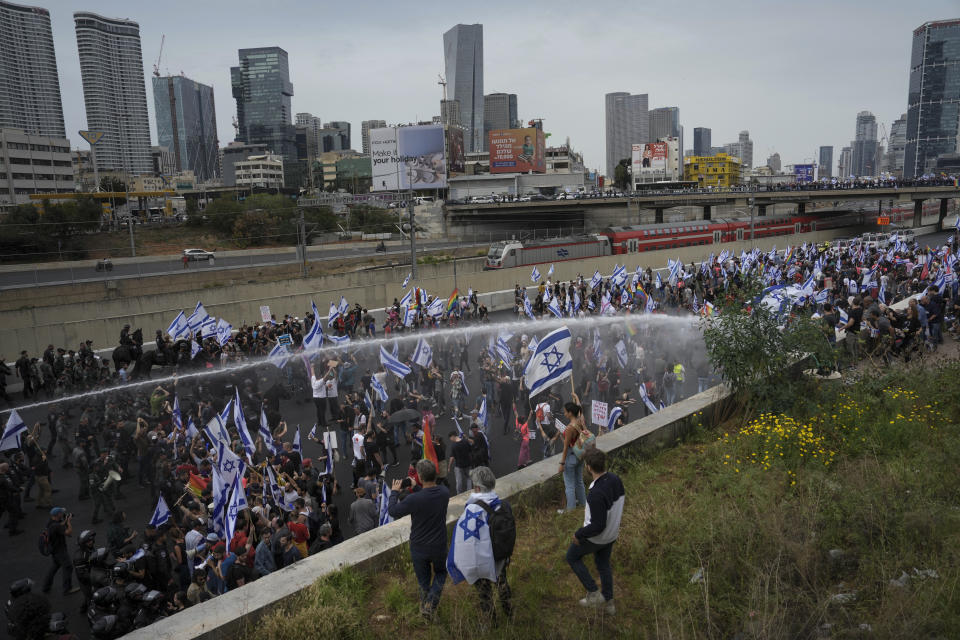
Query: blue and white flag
(296,440)
(406,299)
(550,363)
(381,392)
(576,301)
(191,429)
(161,515)
(528,308)
(482,413)
(622,354)
(550,271)
(178,327)
(229,464)
(237,500)
(343,307)
(659,281)
(554,308)
(646,399)
(457,422)
(409,316)
(224,331)
(470,556)
(332,315)
(613,417)
(624,298)
(844,318)
(436,308)
(535,275)
(220,492)
(619,275)
(328,445)
(463,381)
(367,401)
(314,338)
(882,295)
(264,432)
(339,340)
(177,418)
(423,354)
(209,327)
(279,356)
(406,280)
(197,318)
(393,365)
(384,504)
(674,267)
(313,432)
(596,280)
(11,433)
(597,350)
(241,422)
(194,349)
(216,431)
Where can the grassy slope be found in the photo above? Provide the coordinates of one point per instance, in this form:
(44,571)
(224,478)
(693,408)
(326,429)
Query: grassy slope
(887,498)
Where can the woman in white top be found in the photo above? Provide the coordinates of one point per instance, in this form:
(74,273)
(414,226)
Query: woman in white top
(319,395)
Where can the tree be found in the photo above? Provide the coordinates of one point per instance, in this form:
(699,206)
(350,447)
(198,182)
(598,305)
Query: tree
(621,175)
(251,228)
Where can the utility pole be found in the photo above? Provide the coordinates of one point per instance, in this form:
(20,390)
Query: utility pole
(133,247)
(302,243)
(413,226)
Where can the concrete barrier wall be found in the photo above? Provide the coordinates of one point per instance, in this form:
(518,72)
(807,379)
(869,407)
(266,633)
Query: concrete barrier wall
(152,303)
(227,615)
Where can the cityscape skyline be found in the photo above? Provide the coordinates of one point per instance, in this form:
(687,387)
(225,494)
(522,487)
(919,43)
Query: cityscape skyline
(784,112)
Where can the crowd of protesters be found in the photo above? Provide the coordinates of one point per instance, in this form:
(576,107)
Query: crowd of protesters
(152,440)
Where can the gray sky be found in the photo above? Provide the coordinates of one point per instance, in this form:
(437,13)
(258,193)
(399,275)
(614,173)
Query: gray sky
(794,74)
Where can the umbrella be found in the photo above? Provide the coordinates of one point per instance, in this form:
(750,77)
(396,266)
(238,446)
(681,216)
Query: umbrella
(404,415)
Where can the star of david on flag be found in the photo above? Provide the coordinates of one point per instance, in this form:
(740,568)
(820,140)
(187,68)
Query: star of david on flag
(550,362)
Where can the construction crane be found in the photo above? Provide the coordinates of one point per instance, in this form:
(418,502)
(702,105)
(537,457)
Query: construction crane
(156,67)
(443,83)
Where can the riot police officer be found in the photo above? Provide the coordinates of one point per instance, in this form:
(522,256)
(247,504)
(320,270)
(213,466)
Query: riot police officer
(10,499)
(81,564)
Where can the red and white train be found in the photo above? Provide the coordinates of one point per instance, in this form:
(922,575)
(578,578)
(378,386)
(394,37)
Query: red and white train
(653,237)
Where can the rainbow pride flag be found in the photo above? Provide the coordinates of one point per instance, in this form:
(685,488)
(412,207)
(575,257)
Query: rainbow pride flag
(452,301)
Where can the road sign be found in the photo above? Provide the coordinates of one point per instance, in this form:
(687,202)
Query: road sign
(93,137)
(883,220)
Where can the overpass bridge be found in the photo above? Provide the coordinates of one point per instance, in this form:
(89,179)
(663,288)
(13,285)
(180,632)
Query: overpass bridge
(573,210)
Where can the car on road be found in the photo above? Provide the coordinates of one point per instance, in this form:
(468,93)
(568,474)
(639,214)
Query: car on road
(198,254)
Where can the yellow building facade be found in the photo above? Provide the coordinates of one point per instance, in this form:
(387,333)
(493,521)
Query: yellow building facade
(721,170)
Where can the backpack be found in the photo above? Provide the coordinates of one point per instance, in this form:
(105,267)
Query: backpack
(503,529)
(44,542)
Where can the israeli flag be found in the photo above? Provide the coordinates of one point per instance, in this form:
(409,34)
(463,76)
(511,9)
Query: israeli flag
(215,430)
(220,492)
(224,331)
(550,363)
(339,340)
(659,281)
(569,308)
(344,306)
(409,316)
(406,280)
(384,504)
(314,338)
(550,271)
(596,280)
(651,305)
(470,556)
(229,464)
(328,445)
(622,354)
(209,327)
(178,327)
(463,381)
(674,267)
(11,433)
(882,295)
(590,304)
(279,356)
(296,440)
(393,365)
(332,315)
(613,417)
(624,298)
(435,309)
(381,392)
(535,275)
(423,354)
(646,399)
(237,500)
(191,429)
(554,308)
(313,432)
(459,428)
(197,318)
(482,413)
(177,419)
(367,401)
(241,422)
(406,299)
(161,515)
(528,308)
(619,275)
(576,301)
(844,318)
(194,349)
(264,432)
(503,350)
(822,296)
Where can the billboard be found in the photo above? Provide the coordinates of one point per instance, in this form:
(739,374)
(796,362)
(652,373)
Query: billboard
(517,151)
(651,156)
(455,151)
(408,157)
(803,172)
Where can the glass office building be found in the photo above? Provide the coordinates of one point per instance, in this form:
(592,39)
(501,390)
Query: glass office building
(933,98)
(262,89)
(187,124)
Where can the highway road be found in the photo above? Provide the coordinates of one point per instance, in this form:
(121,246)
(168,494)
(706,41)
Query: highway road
(45,273)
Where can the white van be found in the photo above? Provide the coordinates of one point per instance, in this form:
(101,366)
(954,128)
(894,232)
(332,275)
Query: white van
(906,236)
(878,241)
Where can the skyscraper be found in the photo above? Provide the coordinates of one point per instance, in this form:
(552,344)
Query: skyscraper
(826,162)
(845,163)
(898,142)
(114,91)
(742,149)
(864,146)
(463,62)
(665,121)
(365,127)
(628,123)
(499,112)
(29,84)
(774,162)
(262,88)
(187,124)
(933,101)
(701,141)
(343,132)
